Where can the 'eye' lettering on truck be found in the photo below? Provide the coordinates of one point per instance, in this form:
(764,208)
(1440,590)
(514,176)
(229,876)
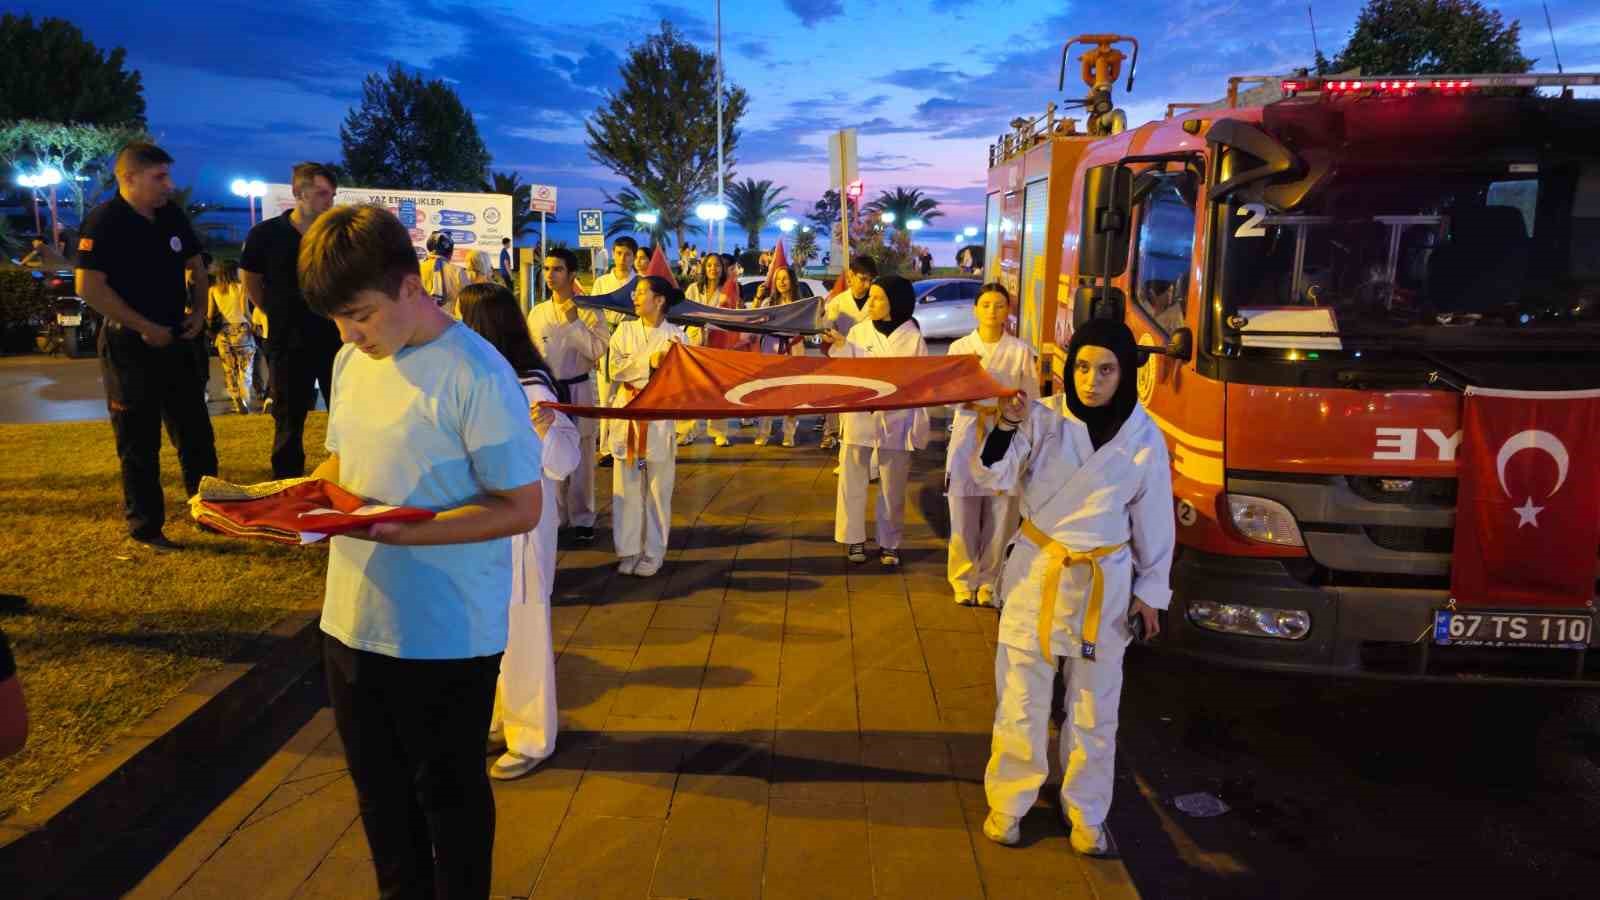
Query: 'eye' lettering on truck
(1401,443)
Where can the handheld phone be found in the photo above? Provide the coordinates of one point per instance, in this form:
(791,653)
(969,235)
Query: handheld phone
(1136,625)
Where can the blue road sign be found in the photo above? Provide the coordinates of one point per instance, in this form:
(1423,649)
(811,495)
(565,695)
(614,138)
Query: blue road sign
(589,222)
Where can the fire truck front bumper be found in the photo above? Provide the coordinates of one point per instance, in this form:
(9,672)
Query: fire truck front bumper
(1254,613)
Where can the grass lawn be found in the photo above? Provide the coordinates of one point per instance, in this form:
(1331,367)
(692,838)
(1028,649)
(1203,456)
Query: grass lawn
(111,632)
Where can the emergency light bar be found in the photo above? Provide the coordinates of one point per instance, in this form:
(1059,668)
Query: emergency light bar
(1406,85)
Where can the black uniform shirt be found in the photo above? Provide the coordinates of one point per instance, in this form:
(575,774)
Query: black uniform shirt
(143,260)
(8,664)
(272,250)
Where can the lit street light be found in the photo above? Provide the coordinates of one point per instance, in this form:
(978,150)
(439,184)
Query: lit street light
(647,217)
(46,177)
(887,218)
(971,231)
(914,224)
(249,190)
(711,212)
(786,224)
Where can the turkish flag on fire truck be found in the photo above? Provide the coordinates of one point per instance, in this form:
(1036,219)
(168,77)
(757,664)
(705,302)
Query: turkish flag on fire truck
(1528,499)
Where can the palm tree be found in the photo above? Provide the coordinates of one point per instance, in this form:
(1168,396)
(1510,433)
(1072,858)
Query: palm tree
(511,184)
(629,203)
(752,203)
(906,204)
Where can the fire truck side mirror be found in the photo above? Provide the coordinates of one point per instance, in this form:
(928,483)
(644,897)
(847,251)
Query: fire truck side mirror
(1180,345)
(1103,239)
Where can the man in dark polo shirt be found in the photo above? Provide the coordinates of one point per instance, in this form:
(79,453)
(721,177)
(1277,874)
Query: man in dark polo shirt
(303,343)
(133,253)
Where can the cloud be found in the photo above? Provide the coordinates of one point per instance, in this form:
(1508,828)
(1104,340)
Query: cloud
(810,12)
(754,49)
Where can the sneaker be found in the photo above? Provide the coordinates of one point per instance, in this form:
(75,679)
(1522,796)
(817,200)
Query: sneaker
(157,542)
(828,442)
(986,597)
(496,742)
(818,425)
(606,461)
(746,423)
(721,442)
(513,765)
(1002,829)
(762,441)
(1091,840)
(628,564)
(963,598)
(788,442)
(647,566)
(889,558)
(685,440)
(239,409)
(583,534)
(266,405)
(856,553)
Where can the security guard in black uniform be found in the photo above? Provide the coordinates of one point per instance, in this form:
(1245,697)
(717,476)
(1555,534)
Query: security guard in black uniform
(133,253)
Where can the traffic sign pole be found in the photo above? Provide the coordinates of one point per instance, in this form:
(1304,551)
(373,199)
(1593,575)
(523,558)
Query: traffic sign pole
(544,290)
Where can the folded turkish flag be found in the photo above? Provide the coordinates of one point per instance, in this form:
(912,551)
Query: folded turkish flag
(1528,499)
(702,383)
(291,511)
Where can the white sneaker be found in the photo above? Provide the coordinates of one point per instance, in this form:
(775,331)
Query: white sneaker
(496,743)
(986,597)
(686,440)
(1090,840)
(721,442)
(788,442)
(762,441)
(628,564)
(647,566)
(512,765)
(1002,829)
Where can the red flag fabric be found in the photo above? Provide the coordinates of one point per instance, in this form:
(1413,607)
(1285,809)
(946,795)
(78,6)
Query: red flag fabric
(1528,499)
(658,266)
(716,337)
(703,383)
(842,283)
(291,511)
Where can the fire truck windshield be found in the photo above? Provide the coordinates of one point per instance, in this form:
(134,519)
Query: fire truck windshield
(1423,252)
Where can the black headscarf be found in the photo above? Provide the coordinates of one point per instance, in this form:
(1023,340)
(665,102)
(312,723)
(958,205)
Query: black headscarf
(902,303)
(1105,421)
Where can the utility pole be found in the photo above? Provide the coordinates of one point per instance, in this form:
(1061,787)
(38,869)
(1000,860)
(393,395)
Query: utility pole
(719,225)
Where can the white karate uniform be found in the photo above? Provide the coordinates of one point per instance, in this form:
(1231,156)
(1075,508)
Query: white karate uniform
(571,350)
(982,521)
(641,498)
(774,345)
(715,428)
(605,391)
(841,312)
(893,435)
(525,697)
(1083,499)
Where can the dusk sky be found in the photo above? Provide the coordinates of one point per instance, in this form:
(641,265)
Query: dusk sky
(247,88)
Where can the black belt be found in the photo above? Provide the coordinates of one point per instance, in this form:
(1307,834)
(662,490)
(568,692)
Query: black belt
(576,379)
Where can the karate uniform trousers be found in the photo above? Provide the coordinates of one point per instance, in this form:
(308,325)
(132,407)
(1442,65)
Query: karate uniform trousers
(572,350)
(1116,502)
(525,695)
(844,312)
(641,497)
(778,346)
(982,521)
(605,390)
(892,434)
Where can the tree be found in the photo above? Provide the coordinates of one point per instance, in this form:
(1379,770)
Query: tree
(510,184)
(660,131)
(624,211)
(1430,37)
(83,154)
(805,248)
(752,204)
(412,134)
(49,72)
(825,213)
(906,204)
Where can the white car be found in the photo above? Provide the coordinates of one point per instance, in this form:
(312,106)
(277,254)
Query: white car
(808,287)
(945,307)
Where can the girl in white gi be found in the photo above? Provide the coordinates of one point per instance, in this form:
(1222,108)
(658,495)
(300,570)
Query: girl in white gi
(844,310)
(709,289)
(783,291)
(888,330)
(524,721)
(645,452)
(1092,555)
(982,521)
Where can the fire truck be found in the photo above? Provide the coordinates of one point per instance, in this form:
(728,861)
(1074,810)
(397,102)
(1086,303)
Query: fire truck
(1317,278)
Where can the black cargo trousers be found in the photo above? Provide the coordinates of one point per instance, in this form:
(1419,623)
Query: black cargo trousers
(145,384)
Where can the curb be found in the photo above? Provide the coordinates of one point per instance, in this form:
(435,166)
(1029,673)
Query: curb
(69,823)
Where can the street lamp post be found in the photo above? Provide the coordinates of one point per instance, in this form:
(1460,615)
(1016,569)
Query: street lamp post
(250,191)
(787,224)
(719,126)
(49,177)
(887,218)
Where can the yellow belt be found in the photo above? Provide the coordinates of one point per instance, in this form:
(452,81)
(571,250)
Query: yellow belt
(1062,556)
(988,417)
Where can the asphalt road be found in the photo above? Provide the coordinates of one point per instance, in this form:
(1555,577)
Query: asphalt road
(1364,788)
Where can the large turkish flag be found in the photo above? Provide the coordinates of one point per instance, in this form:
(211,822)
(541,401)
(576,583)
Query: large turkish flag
(703,383)
(1528,499)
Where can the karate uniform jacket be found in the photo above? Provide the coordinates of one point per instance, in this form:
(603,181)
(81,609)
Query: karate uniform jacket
(632,345)
(1012,363)
(842,312)
(534,552)
(571,349)
(896,429)
(1084,499)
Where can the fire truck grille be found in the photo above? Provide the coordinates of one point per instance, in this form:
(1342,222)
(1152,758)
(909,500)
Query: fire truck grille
(1433,492)
(1411,540)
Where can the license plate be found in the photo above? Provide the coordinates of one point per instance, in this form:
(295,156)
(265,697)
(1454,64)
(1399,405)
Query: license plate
(67,320)
(1454,628)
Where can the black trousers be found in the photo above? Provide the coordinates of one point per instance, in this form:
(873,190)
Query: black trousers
(413,733)
(293,373)
(145,385)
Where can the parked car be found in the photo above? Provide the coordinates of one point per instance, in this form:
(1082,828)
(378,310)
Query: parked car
(944,307)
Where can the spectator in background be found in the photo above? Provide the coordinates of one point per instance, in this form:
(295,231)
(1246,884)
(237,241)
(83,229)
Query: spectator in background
(479,269)
(13,707)
(508,264)
(228,309)
(927,263)
(641,260)
(441,278)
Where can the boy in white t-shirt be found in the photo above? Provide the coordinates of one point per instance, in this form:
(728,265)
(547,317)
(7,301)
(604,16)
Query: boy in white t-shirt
(426,414)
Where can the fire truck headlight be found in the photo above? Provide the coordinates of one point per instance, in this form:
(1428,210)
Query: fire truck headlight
(1255,621)
(1267,521)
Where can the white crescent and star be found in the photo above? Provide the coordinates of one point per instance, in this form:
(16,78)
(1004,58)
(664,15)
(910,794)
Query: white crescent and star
(1532,439)
(881,389)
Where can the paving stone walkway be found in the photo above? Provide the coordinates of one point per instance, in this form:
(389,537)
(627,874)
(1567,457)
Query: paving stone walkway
(760,719)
